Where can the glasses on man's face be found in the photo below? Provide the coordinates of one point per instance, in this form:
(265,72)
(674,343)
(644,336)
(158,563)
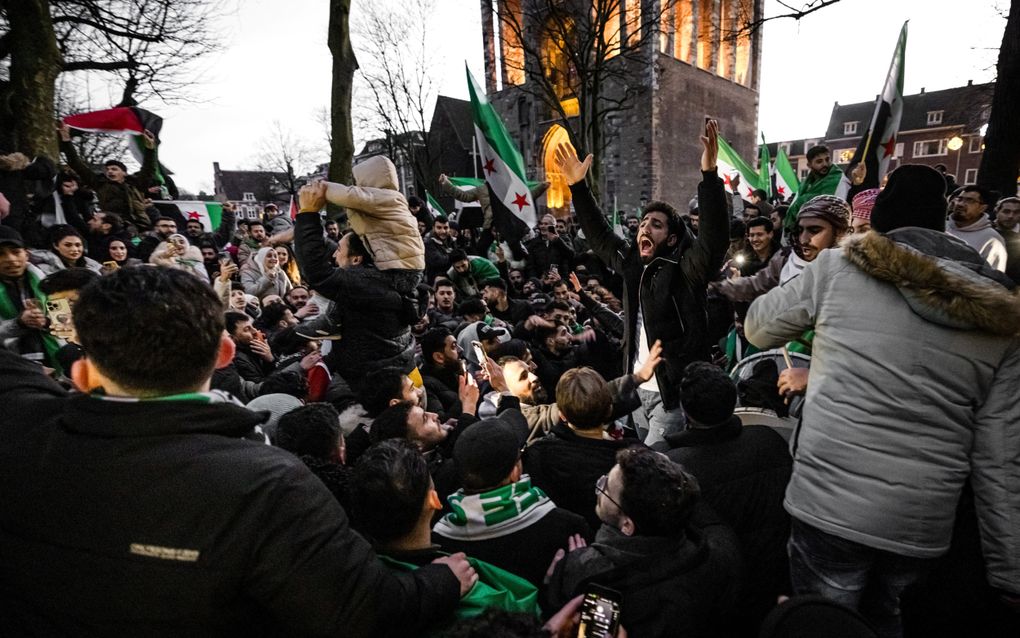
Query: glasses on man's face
(600,488)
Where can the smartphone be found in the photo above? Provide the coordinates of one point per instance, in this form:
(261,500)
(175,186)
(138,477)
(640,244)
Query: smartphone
(58,311)
(479,352)
(600,613)
(224,257)
(111,265)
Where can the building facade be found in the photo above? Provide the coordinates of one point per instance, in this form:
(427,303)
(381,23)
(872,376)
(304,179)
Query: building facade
(692,62)
(938,127)
(250,191)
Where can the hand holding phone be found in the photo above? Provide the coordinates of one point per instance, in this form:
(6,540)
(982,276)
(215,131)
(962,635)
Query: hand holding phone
(600,612)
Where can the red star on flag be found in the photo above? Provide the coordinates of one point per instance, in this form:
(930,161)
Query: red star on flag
(890,147)
(520,201)
(490,166)
(726,181)
(750,191)
(780,190)
(193,214)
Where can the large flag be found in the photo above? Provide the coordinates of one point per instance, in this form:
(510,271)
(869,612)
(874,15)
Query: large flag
(129,121)
(513,208)
(730,164)
(209,213)
(786,177)
(121,120)
(879,142)
(765,167)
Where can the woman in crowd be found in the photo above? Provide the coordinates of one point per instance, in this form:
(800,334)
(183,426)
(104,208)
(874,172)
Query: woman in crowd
(67,250)
(262,275)
(177,252)
(120,256)
(288,264)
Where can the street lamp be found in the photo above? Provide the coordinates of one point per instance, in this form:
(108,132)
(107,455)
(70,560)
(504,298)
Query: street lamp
(955,143)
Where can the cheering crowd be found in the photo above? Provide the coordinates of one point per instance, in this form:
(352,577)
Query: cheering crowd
(744,417)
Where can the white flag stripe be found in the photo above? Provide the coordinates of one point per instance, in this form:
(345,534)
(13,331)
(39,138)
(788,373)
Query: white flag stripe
(503,180)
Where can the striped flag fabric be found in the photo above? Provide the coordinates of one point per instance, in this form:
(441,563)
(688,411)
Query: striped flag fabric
(435,209)
(730,164)
(293,208)
(878,145)
(209,213)
(786,178)
(120,120)
(764,167)
(513,208)
(129,121)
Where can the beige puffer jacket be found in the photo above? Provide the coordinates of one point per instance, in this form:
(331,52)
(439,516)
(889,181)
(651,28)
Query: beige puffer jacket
(379,214)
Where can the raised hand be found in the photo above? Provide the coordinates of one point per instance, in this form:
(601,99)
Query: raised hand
(575,282)
(570,167)
(312,197)
(64,131)
(710,144)
(150,139)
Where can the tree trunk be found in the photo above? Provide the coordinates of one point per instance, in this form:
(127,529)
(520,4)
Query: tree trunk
(344,66)
(35,64)
(1000,163)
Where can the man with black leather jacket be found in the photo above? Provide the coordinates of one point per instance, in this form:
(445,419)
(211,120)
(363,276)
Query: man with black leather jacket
(665,274)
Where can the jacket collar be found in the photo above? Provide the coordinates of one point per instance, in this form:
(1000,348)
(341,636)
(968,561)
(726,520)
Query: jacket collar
(562,431)
(94,416)
(944,280)
(725,431)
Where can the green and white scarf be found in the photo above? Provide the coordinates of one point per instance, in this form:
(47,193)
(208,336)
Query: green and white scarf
(9,310)
(495,513)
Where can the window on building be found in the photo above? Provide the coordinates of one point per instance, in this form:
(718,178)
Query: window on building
(249,197)
(970,176)
(849,128)
(683,31)
(786,148)
(843,155)
(633,22)
(511,50)
(803,174)
(706,34)
(934,117)
(977,144)
(723,66)
(930,148)
(742,72)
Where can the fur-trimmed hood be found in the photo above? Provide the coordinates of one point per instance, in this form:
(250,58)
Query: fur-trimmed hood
(942,279)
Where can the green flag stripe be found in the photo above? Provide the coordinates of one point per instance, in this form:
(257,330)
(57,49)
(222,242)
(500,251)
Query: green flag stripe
(730,156)
(491,126)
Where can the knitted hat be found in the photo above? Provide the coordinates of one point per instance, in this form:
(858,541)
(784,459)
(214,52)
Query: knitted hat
(913,196)
(830,208)
(863,202)
(486,451)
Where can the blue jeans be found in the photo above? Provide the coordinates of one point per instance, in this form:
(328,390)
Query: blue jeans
(860,577)
(653,421)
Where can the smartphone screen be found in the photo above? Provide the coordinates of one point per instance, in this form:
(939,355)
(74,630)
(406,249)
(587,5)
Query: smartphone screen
(600,613)
(479,352)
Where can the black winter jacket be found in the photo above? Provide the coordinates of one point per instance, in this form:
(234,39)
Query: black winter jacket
(156,518)
(566,467)
(670,289)
(672,586)
(743,472)
(374,308)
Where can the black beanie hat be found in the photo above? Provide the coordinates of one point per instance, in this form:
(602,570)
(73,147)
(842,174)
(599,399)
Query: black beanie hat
(707,393)
(913,196)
